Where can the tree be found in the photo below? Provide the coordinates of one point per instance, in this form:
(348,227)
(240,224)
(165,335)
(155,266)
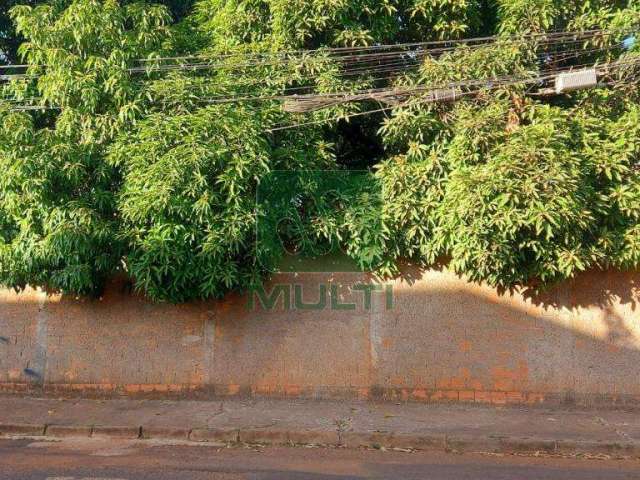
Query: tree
(188,196)
(516,191)
(149,171)
(57,198)
(312,24)
(9,39)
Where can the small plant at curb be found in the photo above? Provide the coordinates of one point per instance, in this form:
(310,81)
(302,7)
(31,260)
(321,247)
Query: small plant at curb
(343,425)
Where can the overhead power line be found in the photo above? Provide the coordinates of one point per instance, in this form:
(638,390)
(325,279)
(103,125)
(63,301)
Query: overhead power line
(344,55)
(289,92)
(384,69)
(486,85)
(452,43)
(359,59)
(311,102)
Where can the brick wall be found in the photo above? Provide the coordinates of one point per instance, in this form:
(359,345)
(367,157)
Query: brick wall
(442,339)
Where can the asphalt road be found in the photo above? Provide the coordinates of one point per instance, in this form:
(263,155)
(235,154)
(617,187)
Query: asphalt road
(85,459)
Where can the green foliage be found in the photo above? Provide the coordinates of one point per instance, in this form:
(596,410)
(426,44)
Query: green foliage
(513,191)
(525,212)
(188,194)
(56,209)
(145,173)
(543,207)
(187,200)
(315,23)
(58,193)
(9,39)
(518,16)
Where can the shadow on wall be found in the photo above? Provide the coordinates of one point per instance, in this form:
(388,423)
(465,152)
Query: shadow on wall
(591,288)
(607,292)
(444,339)
(469,343)
(443,336)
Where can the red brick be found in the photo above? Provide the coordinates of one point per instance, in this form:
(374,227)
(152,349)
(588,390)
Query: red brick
(405,394)
(440,395)
(363,393)
(451,395)
(535,398)
(503,384)
(515,397)
(467,395)
(443,384)
(498,398)
(420,394)
(457,383)
(292,390)
(233,389)
(483,397)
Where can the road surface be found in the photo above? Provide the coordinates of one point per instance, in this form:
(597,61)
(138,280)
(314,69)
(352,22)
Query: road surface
(83,459)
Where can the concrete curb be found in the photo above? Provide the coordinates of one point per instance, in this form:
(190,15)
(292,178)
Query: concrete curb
(165,433)
(123,433)
(438,442)
(22,429)
(68,430)
(212,435)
